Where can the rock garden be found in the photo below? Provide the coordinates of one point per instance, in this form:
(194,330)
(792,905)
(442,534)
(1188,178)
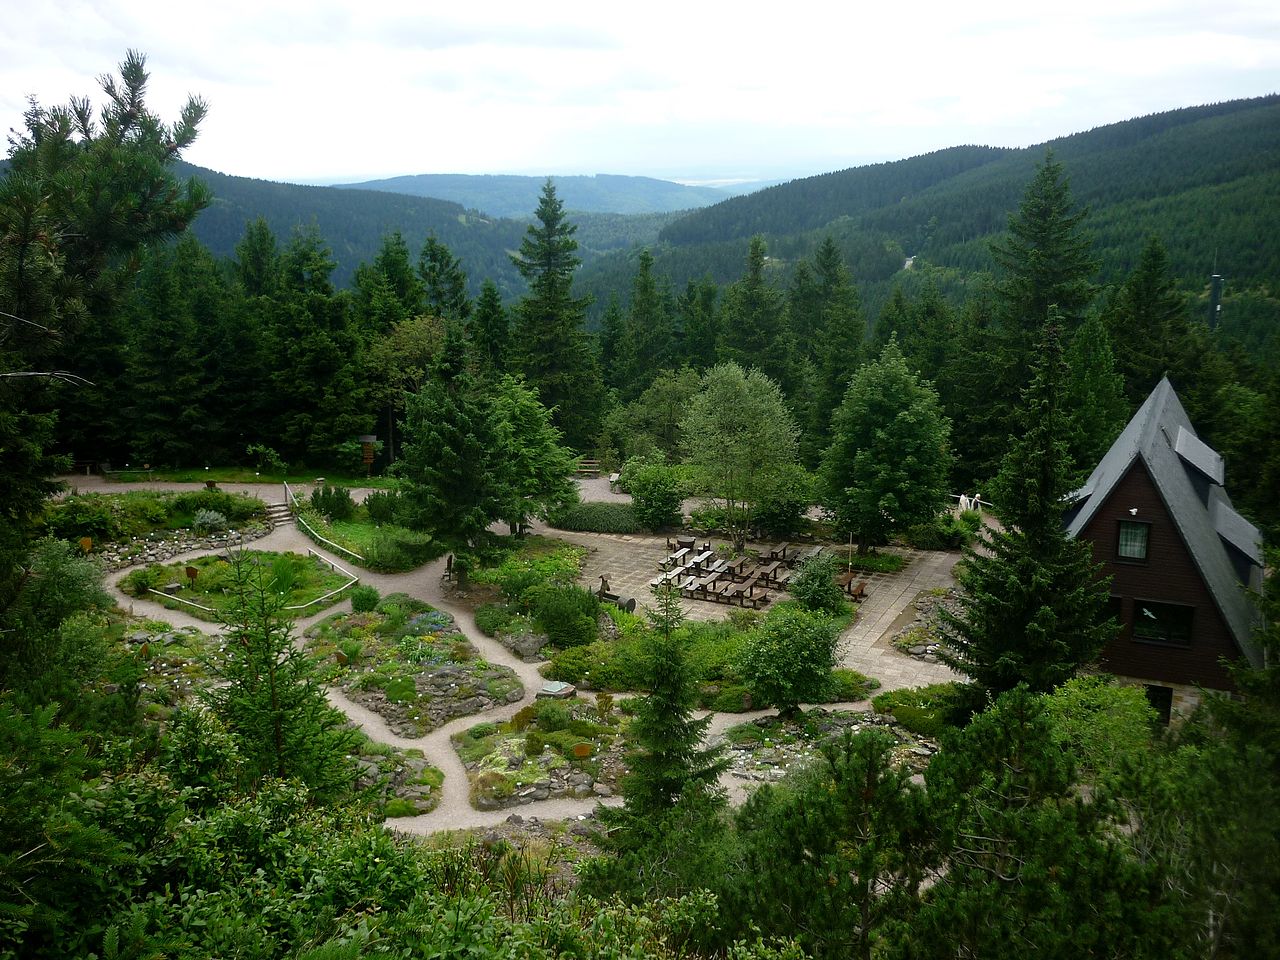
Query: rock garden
(768,748)
(920,638)
(408,662)
(551,748)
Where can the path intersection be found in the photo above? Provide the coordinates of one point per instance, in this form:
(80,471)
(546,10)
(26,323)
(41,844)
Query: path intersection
(629,563)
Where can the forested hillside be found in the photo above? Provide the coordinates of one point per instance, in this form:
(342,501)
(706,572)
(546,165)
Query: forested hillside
(1204,179)
(354,222)
(515,196)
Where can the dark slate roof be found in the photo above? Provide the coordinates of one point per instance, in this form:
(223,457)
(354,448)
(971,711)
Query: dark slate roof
(1188,474)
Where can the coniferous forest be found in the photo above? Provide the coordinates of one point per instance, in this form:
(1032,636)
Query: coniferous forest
(867,341)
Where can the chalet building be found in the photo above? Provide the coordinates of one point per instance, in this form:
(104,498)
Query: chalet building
(1182,562)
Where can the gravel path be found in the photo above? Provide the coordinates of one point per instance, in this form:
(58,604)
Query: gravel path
(454,810)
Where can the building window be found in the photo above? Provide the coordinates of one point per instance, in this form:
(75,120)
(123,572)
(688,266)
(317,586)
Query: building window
(1162,622)
(1132,544)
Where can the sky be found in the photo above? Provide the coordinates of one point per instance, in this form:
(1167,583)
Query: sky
(323,91)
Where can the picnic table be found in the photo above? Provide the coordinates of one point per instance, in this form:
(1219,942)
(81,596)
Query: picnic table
(779,552)
(675,559)
(702,558)
(686,543)
(768,571)
(736,565)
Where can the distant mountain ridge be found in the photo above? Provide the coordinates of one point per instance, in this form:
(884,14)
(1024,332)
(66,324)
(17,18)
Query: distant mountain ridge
(508,195)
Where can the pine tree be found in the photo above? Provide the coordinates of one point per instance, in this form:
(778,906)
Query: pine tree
(617,350)
(554,352)
(669,758)
(1149,329)
(700,323)
(649,333)
(1032,608)
(752,332)
(888,462)
(490,330)
(444,282)
(1094,395)
(446,453)
(270,696)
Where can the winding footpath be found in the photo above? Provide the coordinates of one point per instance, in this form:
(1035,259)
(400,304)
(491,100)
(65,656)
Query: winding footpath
(454,811)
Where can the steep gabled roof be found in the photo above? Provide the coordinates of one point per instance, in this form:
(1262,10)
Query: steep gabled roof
(1188,475)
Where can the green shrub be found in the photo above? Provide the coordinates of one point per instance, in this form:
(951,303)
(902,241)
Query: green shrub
(401,689)
(399,807)
(383,506)
(875,562)
(553,716)
(927,711)
(656,497)
(711,519)
(393,549)
(209,521)
(236,507)
(333,503)
(597,518)
(492,617)
(944,532)
(731,698)
(814,586)
(568,615)
(850,686)
(364,598)
(534,742)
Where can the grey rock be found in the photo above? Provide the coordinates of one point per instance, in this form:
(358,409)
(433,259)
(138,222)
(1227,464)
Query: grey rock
(601,790)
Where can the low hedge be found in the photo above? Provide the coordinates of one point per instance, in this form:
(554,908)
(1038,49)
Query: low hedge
(597,518)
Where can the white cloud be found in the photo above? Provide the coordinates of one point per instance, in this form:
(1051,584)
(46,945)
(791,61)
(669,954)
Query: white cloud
(318,89)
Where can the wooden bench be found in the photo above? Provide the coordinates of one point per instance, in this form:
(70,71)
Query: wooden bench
(779,552)
(813,553)
(587,468)
(857,591)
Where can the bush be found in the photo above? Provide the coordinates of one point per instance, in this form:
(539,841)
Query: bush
(492,617)
(568,615)
(927,711)
(209,521)
(710,519)
(383,506)
(364,598)
(789,658)
(944,532)
(553,716)
(597,518)
(814,586)
(234,506)
(534,743)
(850,686)
(393,549)
(876,562)
(656,497)
(333,503)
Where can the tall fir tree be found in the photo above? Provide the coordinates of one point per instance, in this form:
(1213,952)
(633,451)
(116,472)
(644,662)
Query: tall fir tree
(554,352)
(490,331)
(616,349)
(444,282)
(699,323)
(1094,395)
(1032,603)
(446,453)
(649,332)
(752,331)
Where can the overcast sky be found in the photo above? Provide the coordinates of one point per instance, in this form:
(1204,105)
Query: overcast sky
(322,91)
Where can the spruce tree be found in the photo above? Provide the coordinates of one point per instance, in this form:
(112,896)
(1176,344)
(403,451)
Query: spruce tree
(554,352)
(270,696)
(649,331)
(752,328)
(669,758)
(700,323)
(490,330)
(1032,607)
(444,282)
(1094,395)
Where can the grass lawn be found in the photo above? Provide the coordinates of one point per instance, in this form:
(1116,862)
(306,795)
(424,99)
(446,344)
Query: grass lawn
(385,548)
(307,579)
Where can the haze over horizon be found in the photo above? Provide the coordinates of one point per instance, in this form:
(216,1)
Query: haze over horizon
(317,93)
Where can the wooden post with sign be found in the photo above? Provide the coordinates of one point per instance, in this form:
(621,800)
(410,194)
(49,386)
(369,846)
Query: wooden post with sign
(366,452)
